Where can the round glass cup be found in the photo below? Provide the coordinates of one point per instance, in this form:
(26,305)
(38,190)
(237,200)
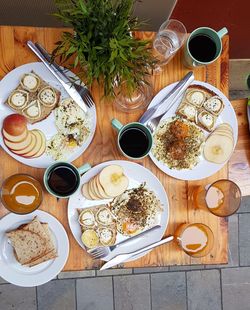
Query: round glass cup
(191,237)
(137,100)
(222,198)
(10,185)
(169,39)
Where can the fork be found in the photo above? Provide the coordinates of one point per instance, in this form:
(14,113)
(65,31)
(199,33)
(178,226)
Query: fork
(101,252)
(77,91)
(153,123)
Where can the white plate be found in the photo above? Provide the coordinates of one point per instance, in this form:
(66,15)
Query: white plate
(137,174)
(15,273)
(204,168)
(47,126)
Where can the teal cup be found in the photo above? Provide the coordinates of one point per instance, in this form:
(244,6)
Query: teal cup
(190,60)
(63,179)
(134,139)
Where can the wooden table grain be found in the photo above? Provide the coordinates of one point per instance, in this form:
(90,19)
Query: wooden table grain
(14,52)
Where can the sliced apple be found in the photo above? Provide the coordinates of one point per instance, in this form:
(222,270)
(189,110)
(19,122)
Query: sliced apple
(43,146)
(39,143)
(85,191)
(17,146)
(99,188)
(93,190)
(218,148)
(15,125)
(113,180)
(92,194)
(12,138)
(28,148)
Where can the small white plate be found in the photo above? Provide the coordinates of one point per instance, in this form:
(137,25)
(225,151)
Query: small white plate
(137,174)
(204,168)
(15,273)
(47,126)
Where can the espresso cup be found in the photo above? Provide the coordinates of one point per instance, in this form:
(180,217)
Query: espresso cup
(63,179)
(203,47)
(134,139)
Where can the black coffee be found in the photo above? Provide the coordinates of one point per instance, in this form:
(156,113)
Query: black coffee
(63,180)
(134,142)
(202,48)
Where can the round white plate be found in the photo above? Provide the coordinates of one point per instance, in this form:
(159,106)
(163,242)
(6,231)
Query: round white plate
(204,168)
(47,126)
(15,273)
(137,174)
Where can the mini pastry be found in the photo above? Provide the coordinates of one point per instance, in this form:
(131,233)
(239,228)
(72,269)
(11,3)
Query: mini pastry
(87,218)
(47,96)
(33,110)
(30,82)
(188,111)
(107,236)
(18,99)
(90,238)
(104,216)
(214,105)
(206,120)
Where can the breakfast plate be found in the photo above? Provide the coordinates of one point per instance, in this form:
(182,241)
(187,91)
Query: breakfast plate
(203,168)
(136,175)
(20,275)
(45,127)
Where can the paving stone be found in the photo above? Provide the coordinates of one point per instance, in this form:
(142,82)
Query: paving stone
(233,247)
(2,281)
(17,298)
(57,295)
(244,239)
(132,292)
(168,291)
(186,267)
(94,294)
(245,205)
(151,269)
(76,274)
(203,290)
(113,272)
(236,288)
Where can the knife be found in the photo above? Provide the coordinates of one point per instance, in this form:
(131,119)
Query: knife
(70,89)
(172,96)
(123,257)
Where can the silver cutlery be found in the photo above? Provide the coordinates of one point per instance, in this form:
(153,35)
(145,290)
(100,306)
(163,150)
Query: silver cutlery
(172,96)
(80,94)
(123,257)
(102,252)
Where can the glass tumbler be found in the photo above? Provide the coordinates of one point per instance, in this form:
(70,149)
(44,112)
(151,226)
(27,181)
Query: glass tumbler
(169,39)
(222,198)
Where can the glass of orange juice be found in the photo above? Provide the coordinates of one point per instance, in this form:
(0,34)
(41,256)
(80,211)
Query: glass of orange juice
(196,239)
(21,193)
(222,198)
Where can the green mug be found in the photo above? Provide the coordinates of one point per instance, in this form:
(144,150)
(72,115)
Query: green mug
(134,139)
(189,60)
(63,179)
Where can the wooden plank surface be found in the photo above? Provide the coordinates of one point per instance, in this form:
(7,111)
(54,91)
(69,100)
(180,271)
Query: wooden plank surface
(13,53)
(239,164)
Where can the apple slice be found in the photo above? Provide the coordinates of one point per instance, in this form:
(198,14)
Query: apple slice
(85,191)
(12,138)
(92,194)
(15,124)
(17,146)
(99,188)
(38,145)
(28,148)
(218,149)
(93,191)
(43,146)
(113,180)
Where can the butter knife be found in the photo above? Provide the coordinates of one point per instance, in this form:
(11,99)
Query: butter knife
(171,97)
(123,257)
(73,93)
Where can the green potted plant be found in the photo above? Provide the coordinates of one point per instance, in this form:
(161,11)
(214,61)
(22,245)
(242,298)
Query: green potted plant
(102,44)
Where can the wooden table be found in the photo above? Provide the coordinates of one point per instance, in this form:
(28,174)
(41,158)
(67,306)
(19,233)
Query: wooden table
(13,53)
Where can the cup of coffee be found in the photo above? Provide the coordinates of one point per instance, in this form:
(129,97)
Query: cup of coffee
(134,139)
(62,179)
(203,47)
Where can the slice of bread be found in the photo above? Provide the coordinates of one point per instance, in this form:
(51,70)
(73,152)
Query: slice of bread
(45,110)
(27,245)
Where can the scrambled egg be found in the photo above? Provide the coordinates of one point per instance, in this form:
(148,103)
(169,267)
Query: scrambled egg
(73,129)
